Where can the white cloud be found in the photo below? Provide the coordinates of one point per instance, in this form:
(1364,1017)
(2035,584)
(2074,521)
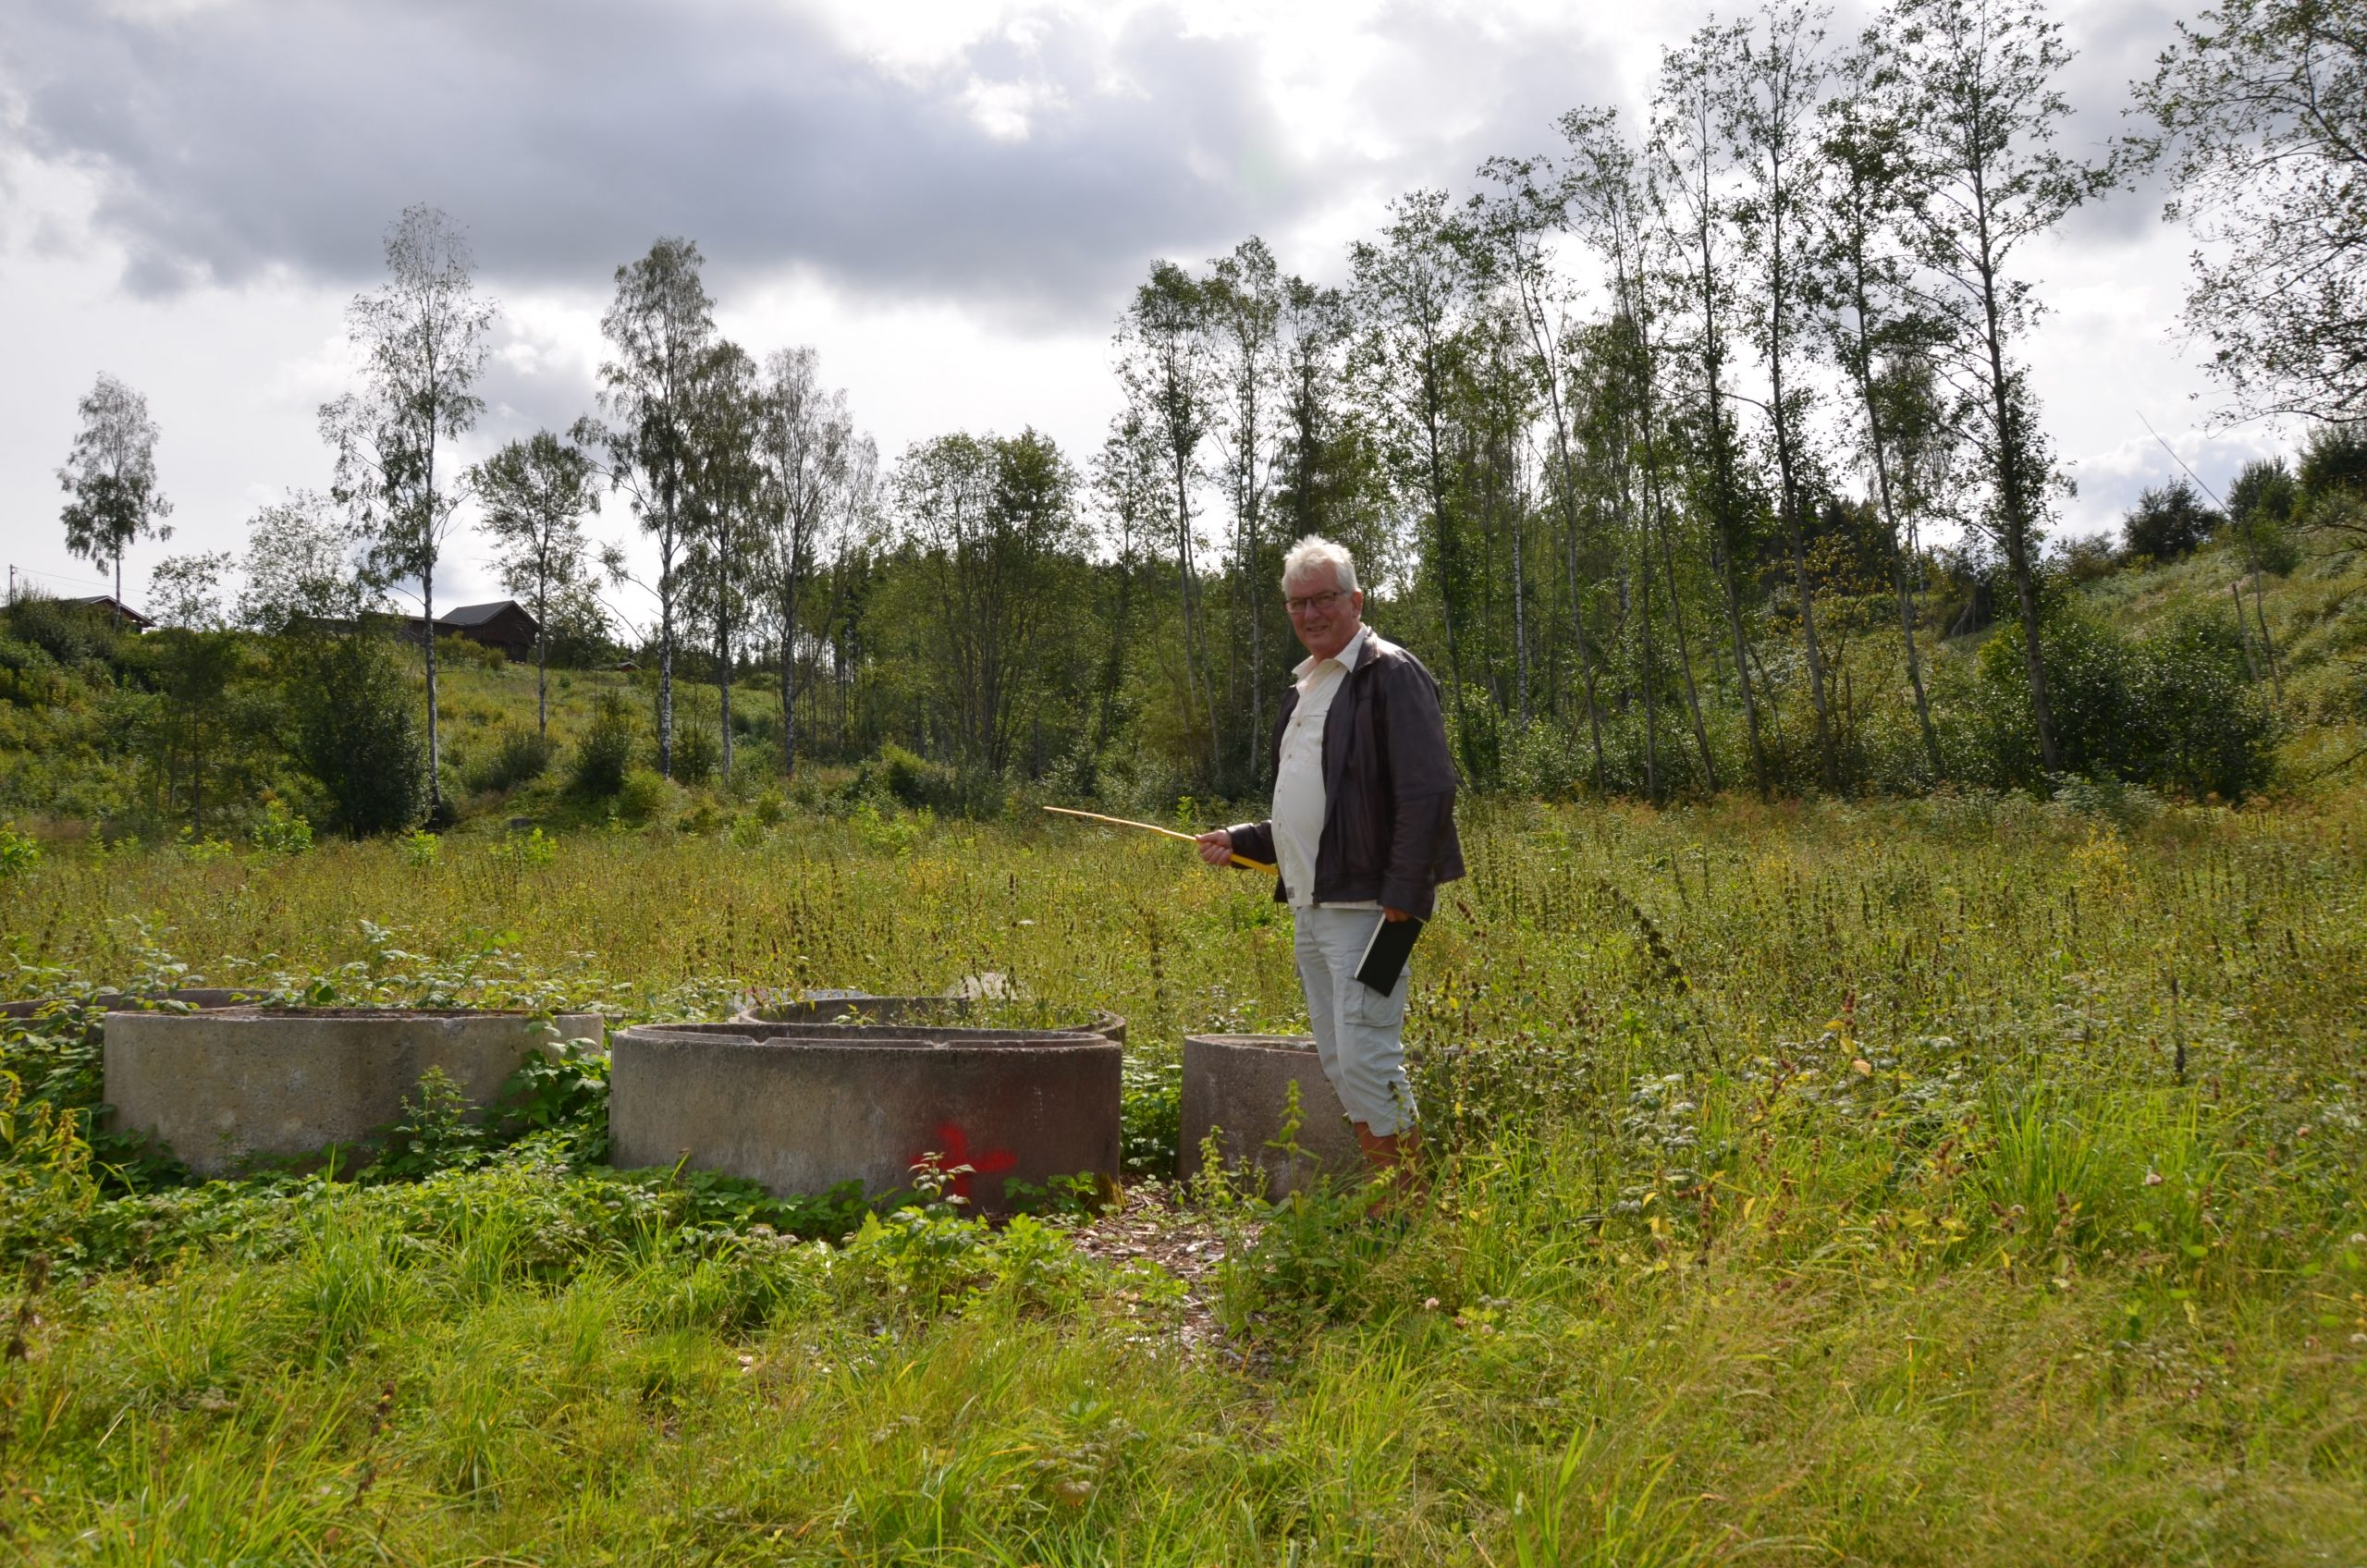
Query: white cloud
(949,198)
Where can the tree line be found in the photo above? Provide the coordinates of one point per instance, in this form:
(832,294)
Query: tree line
(1675,446)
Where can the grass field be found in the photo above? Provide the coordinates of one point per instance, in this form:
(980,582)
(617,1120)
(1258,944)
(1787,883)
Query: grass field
(1962,1181)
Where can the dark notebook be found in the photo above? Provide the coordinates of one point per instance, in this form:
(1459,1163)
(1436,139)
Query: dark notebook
(1385,955)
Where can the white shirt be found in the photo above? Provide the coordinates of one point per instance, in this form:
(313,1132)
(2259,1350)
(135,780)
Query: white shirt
(1299,801)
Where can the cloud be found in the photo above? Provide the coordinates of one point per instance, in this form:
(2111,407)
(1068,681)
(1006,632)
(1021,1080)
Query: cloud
(1035,167)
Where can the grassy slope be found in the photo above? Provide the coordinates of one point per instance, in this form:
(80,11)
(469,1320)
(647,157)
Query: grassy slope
(1884,1273)
(2317,618)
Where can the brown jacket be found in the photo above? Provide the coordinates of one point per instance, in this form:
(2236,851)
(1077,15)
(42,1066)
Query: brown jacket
(1388,787)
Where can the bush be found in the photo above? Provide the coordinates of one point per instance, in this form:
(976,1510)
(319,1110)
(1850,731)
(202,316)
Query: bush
(2085,561)
(697,753)
(2169,520)
(355,732)
(20,852)
(2334,463)
(455,652)
(519,756)
(644,795)
(281,831)
(910,780)
(2262,506)
(2199,722)
(72,635)
(2176,711)
(606,751)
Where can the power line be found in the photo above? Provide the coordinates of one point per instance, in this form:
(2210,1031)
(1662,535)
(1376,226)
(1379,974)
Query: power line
(15,572)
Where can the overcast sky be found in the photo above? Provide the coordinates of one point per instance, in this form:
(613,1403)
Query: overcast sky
(949,199)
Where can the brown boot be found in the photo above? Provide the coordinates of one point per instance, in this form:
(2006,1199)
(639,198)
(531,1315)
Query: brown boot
(1394,1152)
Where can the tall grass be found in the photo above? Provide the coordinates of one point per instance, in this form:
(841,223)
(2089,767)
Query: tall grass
(1812,1184)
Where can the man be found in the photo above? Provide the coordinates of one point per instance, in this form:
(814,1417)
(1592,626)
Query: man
(1362,831)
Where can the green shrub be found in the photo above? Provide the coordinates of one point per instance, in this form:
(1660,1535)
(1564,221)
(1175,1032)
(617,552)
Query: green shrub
(2333,463)
(464,652)
(280,831)
(71,634)
(2169,520)
(606,751)
(2175,711)
(2263,504)
(644,795)
(356,732)
(2198,723)
(20,852)
(519,756)
(697,753)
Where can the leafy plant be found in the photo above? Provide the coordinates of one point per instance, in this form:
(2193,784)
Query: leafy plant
(20,852)
(605,750)
(280,831)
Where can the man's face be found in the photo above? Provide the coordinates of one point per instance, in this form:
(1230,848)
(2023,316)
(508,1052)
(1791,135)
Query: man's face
(1325,619)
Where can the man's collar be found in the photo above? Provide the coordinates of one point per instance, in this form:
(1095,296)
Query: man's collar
(1359,648)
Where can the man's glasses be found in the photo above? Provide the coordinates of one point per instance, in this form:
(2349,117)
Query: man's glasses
(1314,602)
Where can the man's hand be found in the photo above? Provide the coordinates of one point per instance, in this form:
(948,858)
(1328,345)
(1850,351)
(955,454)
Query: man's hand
(1394,915)
(1216,846)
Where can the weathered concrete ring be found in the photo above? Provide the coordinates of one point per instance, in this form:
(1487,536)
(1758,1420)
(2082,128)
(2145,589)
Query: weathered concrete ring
(894,1015)
(1239,1084)
(222,1088)
(197,998)
(803,1114)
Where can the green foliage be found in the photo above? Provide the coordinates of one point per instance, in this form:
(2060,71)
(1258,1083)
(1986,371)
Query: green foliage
(562,1096)
(2169,520)
(1922,1185)
(2178,710)
(1151,1110)
(2264,507)
(2265,491)
(20,852)
(525,852)
(436,1132)
(356,730)
(280,831)
(2334,463)
(70,636)
(909,780)
(519,756)
(697,752)
(606,751)
(644,796)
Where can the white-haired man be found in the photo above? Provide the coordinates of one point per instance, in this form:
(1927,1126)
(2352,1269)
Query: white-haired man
(1362,831)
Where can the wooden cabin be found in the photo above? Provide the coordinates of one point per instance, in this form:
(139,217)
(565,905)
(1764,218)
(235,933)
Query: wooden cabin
(505,624)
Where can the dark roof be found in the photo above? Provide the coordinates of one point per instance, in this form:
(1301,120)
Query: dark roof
(106,602)
(477,615)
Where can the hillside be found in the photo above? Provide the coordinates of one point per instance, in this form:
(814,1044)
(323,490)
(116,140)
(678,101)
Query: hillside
(89,729)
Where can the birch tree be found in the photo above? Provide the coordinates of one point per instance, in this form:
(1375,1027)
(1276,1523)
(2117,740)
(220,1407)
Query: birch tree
(422,340)
(1243,299)
(1772,77)
(1875,315)
(725,530)
(1165,371)
(1980,78)
(536,494)
(2262,113)
(808,448)
(110,475)
(1691,181)
(661,329)
(1532,202)
(1413,295)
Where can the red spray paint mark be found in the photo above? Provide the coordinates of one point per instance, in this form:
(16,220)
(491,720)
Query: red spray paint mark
(952,1152)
